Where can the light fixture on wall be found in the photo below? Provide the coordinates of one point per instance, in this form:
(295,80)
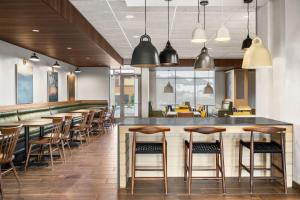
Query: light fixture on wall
(168,88)
(169,55)
(208,88)
(257,56)
(145,54)
(34,57)
(56,65)
(199,35)
(203,60)
(223,34)
(77,70)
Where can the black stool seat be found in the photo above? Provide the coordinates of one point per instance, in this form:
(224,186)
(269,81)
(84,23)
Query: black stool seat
(263,147)
(149,148)
(205,147)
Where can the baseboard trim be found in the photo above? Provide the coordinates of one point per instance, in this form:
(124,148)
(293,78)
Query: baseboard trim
(296,186)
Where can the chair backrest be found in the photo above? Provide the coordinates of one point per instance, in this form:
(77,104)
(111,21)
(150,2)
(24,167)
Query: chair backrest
(84,120)
(149,130)
(8,140)
(67,126)
(185,114)
(266,130)
(57,129)
(206,131)
(91,117)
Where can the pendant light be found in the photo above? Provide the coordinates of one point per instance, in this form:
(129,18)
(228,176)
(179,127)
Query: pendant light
(56,65)
(248,41)
(257,56)
(223,34)
(208,88)
(77,70)
(168,88)
(169,55)
(203,60)
(199,35)
(145,54)
(34,57)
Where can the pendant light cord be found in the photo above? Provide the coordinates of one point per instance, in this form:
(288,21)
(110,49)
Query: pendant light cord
(145,18)
(204,21)
(248,23)
(256,17)
(198,11)
(168,20)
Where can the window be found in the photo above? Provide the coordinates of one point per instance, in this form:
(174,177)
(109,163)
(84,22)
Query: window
(188,88)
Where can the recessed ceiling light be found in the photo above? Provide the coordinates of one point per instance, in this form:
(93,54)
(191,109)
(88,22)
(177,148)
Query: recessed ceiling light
(129,16)
(35,30)
(136,36)
(69,48)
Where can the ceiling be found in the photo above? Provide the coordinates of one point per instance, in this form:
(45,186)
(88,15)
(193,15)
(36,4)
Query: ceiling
(64,33)
(110,18)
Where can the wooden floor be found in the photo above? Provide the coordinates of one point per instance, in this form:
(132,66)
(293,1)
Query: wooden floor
(91,173)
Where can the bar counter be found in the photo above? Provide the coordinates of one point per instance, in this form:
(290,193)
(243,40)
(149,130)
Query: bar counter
(177,135)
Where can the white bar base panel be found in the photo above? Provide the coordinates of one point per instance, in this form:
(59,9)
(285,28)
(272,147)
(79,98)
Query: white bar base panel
(175,149)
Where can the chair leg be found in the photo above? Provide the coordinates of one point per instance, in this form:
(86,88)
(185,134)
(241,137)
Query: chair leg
(217,166)
(240,161)
(63,150)
(51,156)
(190,170)
(223,170)
(251,170)
(185,163)
(133,169)
(59,151)
(28,157)
(165,169)
(284,171)
(15,172)
(1,186)
(68,144)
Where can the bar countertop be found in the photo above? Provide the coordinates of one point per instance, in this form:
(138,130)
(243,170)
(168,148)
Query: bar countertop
(223,121)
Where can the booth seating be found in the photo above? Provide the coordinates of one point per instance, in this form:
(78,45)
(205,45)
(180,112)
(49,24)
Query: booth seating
(11,114)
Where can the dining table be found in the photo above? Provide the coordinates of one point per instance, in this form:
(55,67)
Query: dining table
(174,114)
(63,115)
(27,124)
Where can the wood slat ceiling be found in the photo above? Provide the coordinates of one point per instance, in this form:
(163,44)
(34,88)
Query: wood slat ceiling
(61,26)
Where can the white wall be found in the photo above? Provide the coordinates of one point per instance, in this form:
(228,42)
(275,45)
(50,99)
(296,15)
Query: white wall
(277,89)
(11,55)
(93,83)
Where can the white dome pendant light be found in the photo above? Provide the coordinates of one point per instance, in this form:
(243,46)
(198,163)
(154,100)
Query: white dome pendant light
(199,35)
(223,34)
(257,56)
(203,60)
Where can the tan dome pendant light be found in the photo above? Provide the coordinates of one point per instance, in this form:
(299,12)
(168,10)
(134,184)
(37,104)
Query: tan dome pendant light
(199,35)
(145,54)
(208,88)
(223,34)
(203,60)
(168,88)
(169,55)
(257,56)
(248,41)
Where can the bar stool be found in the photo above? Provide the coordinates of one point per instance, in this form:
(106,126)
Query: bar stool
(140,147)
(263,148)
(204,148)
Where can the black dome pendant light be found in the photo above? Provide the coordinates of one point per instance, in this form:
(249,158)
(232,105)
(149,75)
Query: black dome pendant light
(248,41)
(145,54)
(204,61)
(169,55)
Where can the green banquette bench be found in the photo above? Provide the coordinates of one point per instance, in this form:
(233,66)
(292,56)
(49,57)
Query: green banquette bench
(12,114)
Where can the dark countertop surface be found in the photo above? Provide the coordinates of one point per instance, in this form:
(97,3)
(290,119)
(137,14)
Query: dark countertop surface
(224,121)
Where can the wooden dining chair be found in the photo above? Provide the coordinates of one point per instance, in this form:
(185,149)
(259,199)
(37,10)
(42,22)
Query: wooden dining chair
(8,140)
(66,134)
(51,144)
(98,123)
(89,126)
(79,130)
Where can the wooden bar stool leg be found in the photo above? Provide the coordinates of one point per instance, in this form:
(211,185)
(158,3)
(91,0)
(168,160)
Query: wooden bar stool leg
(165,169)
(251,168)
(240,161)
(28,157)
(190,170)
(185,163)
(283,162)
(133,167)
(217,165)
(223,170)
